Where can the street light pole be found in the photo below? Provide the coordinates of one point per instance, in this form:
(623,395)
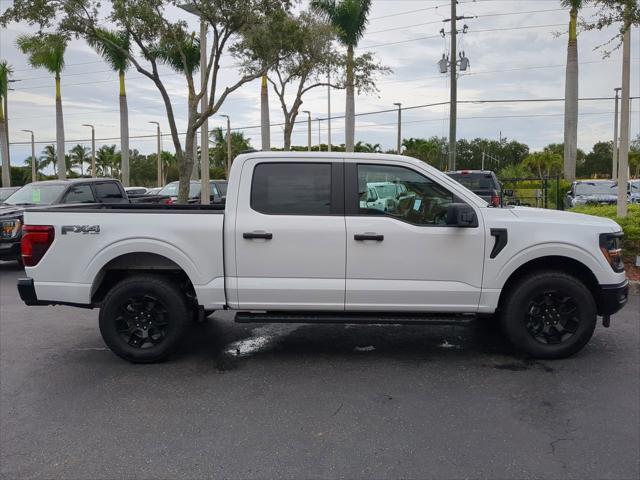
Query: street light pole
(623,160)
(399,105)
(159,169)
(329,109)
(319,137)
(93,149)
(614,168)
(308,128)
(228,167)
(34,162)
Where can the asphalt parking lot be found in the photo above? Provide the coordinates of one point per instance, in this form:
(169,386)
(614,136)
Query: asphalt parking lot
(311,401)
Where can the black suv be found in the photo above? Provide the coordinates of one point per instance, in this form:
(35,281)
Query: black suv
(51,192)
(483,183)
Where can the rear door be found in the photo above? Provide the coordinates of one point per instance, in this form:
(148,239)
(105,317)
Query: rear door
(290,235)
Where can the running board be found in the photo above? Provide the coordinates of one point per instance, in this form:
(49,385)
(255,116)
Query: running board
(356,318)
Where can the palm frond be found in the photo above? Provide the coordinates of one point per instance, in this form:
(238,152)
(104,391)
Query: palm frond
(169,53)
(5,74)
(348,17)
(44,50)
(110,45)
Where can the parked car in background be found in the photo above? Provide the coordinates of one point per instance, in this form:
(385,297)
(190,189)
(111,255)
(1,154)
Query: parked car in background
(382,195)
(56,192)
(6,191)
(600,192)
(218,192)
(483,183)
(634,191)
(153,191)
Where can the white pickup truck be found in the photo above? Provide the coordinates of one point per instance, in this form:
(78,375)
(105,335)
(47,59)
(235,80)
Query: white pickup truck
(297,242)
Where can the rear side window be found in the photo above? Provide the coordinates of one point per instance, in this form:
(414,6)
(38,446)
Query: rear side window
(79,194)
(108,193)
(475,181)
(292,188)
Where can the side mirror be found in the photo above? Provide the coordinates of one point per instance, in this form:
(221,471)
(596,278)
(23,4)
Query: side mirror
(507,193)
(461,215)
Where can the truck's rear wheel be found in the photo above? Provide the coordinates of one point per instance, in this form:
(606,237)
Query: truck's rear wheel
(549,315)
(143,318)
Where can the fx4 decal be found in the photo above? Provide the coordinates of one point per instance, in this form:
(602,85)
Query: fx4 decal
(84,229)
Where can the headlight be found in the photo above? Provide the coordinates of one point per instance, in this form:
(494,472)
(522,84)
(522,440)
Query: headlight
(611,247)
(10,228)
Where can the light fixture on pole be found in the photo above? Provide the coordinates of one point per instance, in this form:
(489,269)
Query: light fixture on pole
(159,169)
(399,147)
(308,128)
(34,162)
(93,149)
(228,167)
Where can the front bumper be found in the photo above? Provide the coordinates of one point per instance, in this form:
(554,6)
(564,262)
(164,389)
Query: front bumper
(611,298)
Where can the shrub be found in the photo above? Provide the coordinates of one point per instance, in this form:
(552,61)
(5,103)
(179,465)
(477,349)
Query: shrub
(630,225)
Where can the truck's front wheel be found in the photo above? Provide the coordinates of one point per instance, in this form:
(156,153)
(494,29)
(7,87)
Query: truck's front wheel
(549,315)
(143,318)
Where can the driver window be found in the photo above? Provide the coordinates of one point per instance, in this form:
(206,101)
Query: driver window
(402,193)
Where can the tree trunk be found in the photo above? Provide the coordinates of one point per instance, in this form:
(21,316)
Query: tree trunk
(195,172)
(184,158)
(350,119)
(571,101)
(4,150)
(264,115)
(124,131)
(288,129)
(62,164)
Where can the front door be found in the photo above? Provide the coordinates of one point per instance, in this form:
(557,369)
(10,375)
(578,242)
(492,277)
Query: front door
(290,235)
(401,255)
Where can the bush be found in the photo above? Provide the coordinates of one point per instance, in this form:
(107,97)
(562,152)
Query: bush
(630,225)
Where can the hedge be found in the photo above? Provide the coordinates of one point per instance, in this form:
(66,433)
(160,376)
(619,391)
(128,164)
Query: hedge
(630,225)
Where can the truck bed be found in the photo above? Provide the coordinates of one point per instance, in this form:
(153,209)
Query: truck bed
(129,236)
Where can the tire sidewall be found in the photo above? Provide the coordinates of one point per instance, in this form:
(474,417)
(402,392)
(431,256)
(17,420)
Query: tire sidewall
(515,313)
(172,300)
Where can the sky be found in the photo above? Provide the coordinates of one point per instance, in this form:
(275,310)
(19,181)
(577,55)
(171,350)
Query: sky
(517,50)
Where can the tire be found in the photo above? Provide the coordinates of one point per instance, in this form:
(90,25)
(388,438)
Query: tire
(549,315)
(143,318)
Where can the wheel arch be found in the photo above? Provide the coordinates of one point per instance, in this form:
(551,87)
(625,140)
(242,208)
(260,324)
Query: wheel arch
(561,263)
(127,264)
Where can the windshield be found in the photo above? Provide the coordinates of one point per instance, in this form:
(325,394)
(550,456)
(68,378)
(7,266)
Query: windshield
(36,195)
(596,188)
(634,186)
(474,181)
(6,192)
(222,188)
(171,190)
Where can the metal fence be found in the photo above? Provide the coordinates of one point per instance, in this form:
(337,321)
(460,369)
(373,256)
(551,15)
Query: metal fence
(544,192)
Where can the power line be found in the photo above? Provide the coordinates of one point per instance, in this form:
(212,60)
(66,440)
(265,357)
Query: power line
(362,114)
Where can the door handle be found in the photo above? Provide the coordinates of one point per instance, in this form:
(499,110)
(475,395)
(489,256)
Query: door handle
(360,237)
(252,235)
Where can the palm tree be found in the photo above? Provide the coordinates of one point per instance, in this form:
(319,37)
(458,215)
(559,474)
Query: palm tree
(79,155)
(104,159)
(110,46)
(39,166)
(571,91)
(49,157)
(47,51)
(5,73)
(349,17)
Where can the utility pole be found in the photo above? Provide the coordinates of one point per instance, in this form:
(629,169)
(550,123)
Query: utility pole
(228,145)
(159,169)
(93,149)
(399,105)
(319,137)
(453,91)
(614,169)
(205,193)
(34,162)
(623,162)
(308,129)
(329,109)
(482,167)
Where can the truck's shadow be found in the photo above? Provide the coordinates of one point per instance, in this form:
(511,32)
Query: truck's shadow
(227,345)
